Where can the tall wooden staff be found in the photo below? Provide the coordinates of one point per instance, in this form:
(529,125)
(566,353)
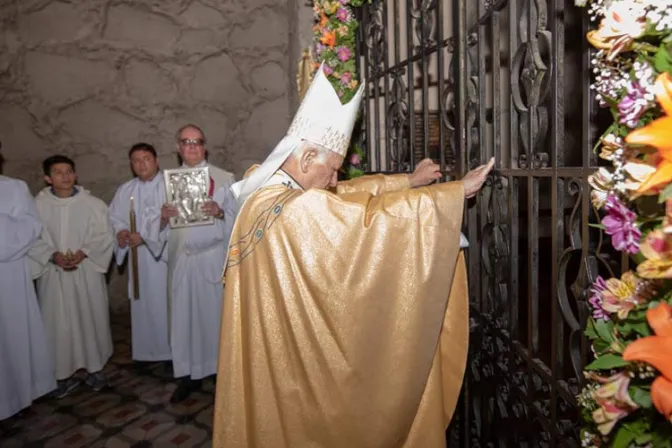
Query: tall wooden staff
(134,256)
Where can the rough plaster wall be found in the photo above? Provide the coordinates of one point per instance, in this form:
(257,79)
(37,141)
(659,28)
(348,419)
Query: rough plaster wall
(90,78)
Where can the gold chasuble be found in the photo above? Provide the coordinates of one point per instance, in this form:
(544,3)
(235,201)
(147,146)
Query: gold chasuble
(345,317)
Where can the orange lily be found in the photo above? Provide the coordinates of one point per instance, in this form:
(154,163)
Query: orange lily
(329,38)
(658,134)
(657,351)
(323,19)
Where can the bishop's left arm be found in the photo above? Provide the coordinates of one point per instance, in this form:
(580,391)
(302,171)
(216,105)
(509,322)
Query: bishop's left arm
(385,232)
(374,184)
(99,241)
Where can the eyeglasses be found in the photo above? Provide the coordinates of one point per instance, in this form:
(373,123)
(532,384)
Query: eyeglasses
(192,141)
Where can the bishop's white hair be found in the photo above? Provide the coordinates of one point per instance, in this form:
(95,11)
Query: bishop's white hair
(303,146)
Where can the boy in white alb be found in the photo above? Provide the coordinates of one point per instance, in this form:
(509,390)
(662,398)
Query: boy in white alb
(70,261)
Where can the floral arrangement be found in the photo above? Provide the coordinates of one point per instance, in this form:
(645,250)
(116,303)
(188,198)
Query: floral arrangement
(334,37)
(627,400)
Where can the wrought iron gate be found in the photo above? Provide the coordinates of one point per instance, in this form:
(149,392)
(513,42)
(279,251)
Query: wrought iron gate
(464,81)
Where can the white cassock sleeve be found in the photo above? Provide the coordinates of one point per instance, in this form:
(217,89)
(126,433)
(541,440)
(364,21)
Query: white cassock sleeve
(99,242)
(118,221)
(208,236)
(40,254)
(20,229)
(150,220)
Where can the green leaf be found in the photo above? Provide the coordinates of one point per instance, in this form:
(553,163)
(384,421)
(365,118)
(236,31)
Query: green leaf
(590,331)
(606,362)
(643,439)
(637,315)
(598,226)
(640,396)
(624,328)
(623,438)
(638,257)
(665,194)
(661,439)
(604,330)
(641,328)
(622,131)
(600,346)
(662,60)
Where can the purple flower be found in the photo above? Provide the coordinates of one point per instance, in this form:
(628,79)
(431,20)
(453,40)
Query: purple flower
(346,78)
(319,48)
(633,105)
(595,300)
(328,70)
(620,224)
(343,14)
(354,159)
(343,53)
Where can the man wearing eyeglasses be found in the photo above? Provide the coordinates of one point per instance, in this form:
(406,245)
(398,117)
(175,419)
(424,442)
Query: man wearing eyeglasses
(195,259)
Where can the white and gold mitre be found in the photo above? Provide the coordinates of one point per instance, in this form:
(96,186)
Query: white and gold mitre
(322,118)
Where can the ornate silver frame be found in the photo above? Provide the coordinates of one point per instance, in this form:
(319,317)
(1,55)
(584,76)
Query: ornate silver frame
(187,189)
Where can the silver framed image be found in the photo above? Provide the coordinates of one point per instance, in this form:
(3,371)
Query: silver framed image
(187,189)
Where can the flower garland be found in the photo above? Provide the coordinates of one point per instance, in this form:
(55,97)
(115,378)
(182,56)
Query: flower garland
(627,401)
(334,39)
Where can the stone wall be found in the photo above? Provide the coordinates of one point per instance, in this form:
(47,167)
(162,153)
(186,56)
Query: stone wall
(90,78)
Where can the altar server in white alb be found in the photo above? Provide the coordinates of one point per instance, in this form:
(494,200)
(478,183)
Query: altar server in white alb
(195,259)
(71,259)
(149,310)
(26,372)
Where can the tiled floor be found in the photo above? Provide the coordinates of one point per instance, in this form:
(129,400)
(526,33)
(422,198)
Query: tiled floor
(133,412)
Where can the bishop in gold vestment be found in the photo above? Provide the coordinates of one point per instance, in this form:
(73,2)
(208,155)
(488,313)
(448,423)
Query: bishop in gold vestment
(345,319)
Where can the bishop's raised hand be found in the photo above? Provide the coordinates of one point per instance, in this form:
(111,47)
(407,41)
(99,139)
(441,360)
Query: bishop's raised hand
(474,179)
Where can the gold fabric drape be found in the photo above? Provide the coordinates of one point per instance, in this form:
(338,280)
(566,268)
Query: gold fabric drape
(337,327)
(304,73)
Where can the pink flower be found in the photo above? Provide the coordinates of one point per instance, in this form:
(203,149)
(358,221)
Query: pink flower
(342,14)
(328,70)
(354,159)
(634,104)
(595,300)
(344,2)
(346,78)
(620,296)
(319,48)
(343,53)
(621,226)
(613,400)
